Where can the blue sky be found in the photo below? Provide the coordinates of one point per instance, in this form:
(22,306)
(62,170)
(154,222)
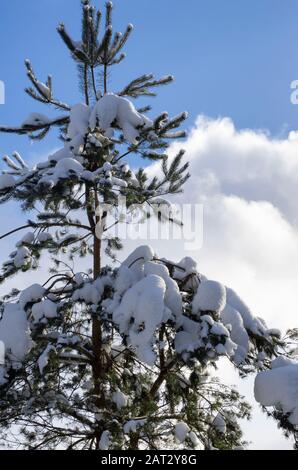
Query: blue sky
(232,58)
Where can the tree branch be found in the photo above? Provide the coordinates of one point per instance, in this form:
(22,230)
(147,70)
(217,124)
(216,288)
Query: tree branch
(85,227)
(27,129)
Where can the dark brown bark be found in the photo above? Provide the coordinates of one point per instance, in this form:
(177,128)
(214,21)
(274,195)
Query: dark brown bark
(161,378)
(97,331)
(98,366)
(92,203)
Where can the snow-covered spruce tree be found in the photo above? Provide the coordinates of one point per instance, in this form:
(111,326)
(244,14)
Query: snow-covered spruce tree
(117,358)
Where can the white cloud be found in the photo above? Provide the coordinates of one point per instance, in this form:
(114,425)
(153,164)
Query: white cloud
(246,163)
(248,183)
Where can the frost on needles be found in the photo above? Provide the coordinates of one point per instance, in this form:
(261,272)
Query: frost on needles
(119,356)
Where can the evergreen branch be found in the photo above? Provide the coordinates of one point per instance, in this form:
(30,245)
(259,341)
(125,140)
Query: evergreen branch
(19,159)
(140,86)
(121,42)
(135,82)
(66,38)
(56,103)
(97,23)
(175,135)
(29,128)
(45,225)
(101,53)
(109,8)
(160,120)
(162,376)
(73,47)
(114,46)
(44,92)
(144,110)
(173,123)
(117,60)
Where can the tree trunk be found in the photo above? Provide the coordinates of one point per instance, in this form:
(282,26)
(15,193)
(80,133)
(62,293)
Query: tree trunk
(96,328)
(97,363)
